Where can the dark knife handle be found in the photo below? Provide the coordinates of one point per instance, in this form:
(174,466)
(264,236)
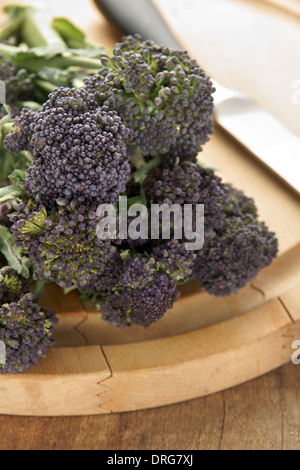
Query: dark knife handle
(138,17)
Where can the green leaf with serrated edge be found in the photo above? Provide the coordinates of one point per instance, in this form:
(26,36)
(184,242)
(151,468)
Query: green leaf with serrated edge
(17,178)
(13,254)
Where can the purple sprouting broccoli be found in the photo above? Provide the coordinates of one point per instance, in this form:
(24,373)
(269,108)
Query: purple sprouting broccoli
(161,94)
(238,203)
(174,259)
(12,285)
(105,280)
(79,149)
(19,137)
(237,251)
(26,329)
(141,296)
(19,83)
(189,183)
(62,244)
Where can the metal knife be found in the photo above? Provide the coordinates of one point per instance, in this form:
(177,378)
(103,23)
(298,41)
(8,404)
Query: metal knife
(262,134)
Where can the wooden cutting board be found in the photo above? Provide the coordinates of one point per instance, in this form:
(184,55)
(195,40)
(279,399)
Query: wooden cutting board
(203,344)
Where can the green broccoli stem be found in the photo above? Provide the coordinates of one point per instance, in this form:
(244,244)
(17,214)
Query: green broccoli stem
(39,288)
(33,105)
(12,26)
(37,30)
(59,62)
(141,174)
(36,64)
(5,122)
(47,87)
(9,51)
(67,290)
(28,155)
(77,82)
(6,128)
(137,159)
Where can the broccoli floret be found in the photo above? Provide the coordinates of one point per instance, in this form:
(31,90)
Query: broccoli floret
(150,276)
(62,244)
(189,183)
(161,94)
(174,259)
(140,306)
(235,255)
(106,280)
(71,101)
(239,203)
(19,84)
(137,272)
(141,295)
(78,149)
(12,286)
(26,330)
(19,137)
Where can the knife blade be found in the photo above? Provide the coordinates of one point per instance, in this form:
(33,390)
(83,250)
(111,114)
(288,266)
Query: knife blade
(274,145)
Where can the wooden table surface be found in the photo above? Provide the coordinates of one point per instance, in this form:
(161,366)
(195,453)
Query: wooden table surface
(261,414)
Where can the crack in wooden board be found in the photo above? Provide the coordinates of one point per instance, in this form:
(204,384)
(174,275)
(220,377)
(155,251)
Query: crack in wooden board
(199,363)
(291,301)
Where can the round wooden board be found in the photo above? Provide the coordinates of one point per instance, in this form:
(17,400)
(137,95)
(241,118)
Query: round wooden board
(203,345)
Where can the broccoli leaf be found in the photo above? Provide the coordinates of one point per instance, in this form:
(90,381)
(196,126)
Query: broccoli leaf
(9,161)
(13,254)
(10,193)
(69,31)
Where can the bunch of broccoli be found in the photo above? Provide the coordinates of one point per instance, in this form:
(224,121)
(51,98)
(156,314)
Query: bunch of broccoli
(132,129)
